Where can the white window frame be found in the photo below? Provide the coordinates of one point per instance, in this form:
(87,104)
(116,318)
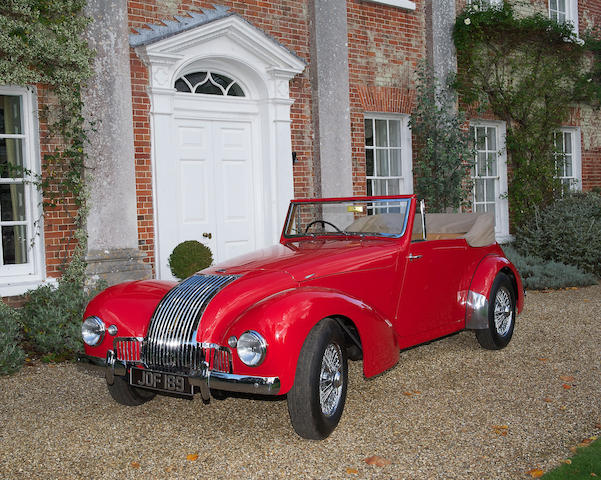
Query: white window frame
(501,202)
(576,177)
(571,13)
(403,4)
(17,279)
(406,151)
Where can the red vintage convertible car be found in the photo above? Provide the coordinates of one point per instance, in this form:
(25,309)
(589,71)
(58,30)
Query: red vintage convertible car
(352,278)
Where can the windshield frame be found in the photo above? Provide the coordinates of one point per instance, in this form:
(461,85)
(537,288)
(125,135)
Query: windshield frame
(407,199)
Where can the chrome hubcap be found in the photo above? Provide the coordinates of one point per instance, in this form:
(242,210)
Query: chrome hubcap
(330,380)
(503,311)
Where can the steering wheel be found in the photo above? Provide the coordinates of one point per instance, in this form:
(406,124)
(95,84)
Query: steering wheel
(324,223)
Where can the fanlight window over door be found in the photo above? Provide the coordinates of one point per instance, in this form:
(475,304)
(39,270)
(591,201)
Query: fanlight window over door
(209,83)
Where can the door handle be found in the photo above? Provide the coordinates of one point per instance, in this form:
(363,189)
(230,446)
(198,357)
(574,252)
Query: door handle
(207,235)
(414,257)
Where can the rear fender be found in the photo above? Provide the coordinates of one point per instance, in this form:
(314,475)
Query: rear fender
(476,316)
(286,318)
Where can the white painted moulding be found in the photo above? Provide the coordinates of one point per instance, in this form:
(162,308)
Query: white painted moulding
(404,4)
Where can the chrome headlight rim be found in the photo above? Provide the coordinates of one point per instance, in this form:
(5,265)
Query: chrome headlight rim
(258,351)
(93,330)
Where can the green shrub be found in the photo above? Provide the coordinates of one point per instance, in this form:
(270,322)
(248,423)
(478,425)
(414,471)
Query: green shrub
(52,319)
(188,258)
(539,274)
(11,354)
(568,231)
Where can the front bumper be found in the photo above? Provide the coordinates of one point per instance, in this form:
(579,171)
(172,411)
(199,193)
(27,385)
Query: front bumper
(204,378)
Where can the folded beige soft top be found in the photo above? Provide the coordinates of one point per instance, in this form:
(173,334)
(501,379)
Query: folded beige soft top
(478,229)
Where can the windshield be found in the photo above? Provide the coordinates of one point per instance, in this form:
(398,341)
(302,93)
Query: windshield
(386,218)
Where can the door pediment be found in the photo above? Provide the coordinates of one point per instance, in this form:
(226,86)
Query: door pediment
(169,49)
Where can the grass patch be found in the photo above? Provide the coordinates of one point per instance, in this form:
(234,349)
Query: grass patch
(586,463)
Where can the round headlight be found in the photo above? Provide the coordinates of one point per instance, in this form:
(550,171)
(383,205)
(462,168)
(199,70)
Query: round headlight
(251,348)
(92,331)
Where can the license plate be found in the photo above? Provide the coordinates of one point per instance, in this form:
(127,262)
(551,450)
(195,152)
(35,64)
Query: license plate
(165,382)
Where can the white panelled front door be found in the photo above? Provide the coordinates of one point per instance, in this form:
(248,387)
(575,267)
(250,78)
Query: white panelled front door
(206,190)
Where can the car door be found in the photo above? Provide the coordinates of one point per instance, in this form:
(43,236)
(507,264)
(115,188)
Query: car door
(430,298)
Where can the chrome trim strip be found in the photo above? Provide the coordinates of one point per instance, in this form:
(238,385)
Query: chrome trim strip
(201,377)
(244,383)
(476,313)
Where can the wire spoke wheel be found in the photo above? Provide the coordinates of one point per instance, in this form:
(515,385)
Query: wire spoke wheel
(330,380)
(503,313)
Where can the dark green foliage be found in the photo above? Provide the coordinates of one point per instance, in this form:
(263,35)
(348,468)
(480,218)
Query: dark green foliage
(567,231)
(11,354)
(52,318)
(529,71)
(444,156)
(539,274)
(188,258)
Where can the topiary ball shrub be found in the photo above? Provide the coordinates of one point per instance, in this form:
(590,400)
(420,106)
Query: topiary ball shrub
(567,231)
(540,274)
(11,354)
(188,258)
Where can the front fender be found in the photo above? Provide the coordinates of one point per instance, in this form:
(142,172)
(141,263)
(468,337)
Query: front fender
(479,290)
(286,318)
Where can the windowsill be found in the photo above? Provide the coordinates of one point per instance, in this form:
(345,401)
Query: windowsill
(404,4)
(13,289)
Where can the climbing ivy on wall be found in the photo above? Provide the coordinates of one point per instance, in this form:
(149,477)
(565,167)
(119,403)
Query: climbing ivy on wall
(529,71)
(42,43)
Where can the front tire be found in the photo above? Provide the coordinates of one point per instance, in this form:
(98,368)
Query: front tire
(123,393)
(316,400)
(501,315)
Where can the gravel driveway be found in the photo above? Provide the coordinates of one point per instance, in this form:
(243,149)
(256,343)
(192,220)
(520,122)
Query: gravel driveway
(448,410)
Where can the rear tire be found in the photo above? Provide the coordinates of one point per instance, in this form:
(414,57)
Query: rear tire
(123,393)
(316,400)
(501,315)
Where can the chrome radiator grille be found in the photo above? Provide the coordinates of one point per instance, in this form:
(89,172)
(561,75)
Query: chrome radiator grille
(128,348)
(171,339)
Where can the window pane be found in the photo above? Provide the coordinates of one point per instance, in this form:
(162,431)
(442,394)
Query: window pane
(492,164)
(393,187)
(12,202)
(481,167)
(381,133)
(369,188)
(567,143)
(196,78)
(369,132)
(14,244)
(561,5)
(395,133)
(479,186)
(561,17)
(382,169)
(480,208)
(395,163)
(481,138)
(492,138)
(568,166)
(490,190)
(369,162)
(10,114)
(379,187)
(11,158)
(221,80)
(235,91)
(182,86)
(208,89)
(553,4)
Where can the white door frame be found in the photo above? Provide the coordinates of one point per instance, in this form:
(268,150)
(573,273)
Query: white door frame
(263,68)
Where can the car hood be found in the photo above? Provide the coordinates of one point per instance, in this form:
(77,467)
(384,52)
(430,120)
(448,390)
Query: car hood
(311,259)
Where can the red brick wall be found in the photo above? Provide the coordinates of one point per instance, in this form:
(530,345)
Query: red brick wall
(59,227)
(287,22)
(385,46)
